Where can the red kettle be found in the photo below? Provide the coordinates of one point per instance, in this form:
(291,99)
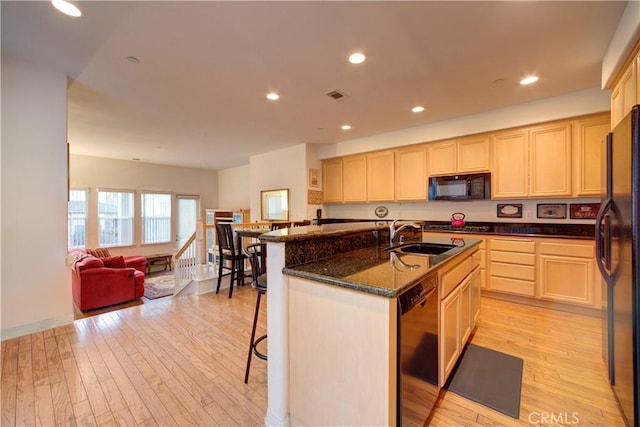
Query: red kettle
(457,219)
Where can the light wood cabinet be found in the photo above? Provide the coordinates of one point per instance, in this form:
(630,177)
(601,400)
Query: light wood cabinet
(474,154)
(380,176)
(589,137)
(550,160)
(411,174)
(450,333)
(567,273)
(510,178)
(332,181)
(512,266)
(624,94)
(457,320)
(466,155)
(459,310)
(442,157)
(354,175)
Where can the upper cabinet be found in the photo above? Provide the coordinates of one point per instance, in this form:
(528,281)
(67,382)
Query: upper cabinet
(510,177)
(380,176)
(555,159)
(626,90)
(442,157)
(354,179)
(474,154)
(550,160)
(411,174)
(332,180)
(590,135)
(460,156)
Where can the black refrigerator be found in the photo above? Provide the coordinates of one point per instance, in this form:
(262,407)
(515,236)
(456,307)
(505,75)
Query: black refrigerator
(618,259)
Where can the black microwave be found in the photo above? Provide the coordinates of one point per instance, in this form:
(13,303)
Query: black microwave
(460,187)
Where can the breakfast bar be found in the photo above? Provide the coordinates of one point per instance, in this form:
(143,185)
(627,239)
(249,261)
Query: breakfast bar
(334,316)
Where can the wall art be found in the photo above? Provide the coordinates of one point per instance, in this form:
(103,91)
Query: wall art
(552,211)
(584,210)
(511,210)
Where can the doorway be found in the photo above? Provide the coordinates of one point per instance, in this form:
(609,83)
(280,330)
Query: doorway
(187,217)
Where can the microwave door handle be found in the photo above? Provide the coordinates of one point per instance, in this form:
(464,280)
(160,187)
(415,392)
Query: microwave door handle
(603,240)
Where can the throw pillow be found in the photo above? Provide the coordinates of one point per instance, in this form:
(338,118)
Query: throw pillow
(114,262)
(99,252)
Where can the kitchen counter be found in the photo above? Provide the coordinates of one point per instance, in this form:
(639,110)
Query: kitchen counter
(377,270)
(571,231)
(331,291)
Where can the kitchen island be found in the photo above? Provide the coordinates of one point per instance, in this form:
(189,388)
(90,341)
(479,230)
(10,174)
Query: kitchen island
(333,319)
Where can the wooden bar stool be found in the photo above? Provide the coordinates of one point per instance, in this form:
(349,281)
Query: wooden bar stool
(228,252)
(257,253)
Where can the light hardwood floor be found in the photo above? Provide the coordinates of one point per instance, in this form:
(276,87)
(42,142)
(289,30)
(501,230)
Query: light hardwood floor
(181,362)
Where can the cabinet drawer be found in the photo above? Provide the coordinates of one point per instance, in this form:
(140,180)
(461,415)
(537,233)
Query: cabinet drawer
(523,272)
(525,246)
(452,278)
(567,249)
(513,257)
(513,286)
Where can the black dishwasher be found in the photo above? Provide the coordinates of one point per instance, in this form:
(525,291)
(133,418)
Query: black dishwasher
(418,315)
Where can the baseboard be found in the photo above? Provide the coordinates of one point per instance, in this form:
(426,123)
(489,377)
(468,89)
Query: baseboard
(31,328)
(585,311)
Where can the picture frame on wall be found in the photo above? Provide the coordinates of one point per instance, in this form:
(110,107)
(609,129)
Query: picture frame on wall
(552,211)
(584,210)
(509,210)
(314,178)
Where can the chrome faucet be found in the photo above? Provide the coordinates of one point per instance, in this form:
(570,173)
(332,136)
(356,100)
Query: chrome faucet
(393,231)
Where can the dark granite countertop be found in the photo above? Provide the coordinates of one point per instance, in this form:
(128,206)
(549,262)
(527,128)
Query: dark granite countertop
(308,232)
(375,270)
(570,231)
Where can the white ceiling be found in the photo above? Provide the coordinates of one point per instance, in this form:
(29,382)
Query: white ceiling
(197,96)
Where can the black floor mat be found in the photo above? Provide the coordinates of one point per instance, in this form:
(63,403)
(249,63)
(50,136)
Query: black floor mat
(490,378)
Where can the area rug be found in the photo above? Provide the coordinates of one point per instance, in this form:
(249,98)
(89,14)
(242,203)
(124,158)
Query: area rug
(158,286)
(490,378)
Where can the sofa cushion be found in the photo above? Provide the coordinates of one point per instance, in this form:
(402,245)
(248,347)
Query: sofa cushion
(114,262)
(88,263)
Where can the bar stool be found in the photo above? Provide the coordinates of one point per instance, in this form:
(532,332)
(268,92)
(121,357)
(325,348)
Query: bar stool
(257,253)
(228,252)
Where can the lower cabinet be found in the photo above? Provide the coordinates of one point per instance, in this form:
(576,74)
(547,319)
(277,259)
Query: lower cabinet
(567,274)
(459,311)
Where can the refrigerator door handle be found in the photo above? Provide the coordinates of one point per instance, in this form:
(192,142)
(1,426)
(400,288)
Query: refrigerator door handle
(603,240)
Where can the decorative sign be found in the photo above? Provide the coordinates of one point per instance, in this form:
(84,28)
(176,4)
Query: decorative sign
(314,180)
(513,210)
(552,211)
(381,211)
(584,210)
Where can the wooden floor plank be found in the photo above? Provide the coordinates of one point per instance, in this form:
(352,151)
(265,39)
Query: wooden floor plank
(180,362)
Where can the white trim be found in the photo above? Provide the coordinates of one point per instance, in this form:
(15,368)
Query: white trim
(31,328)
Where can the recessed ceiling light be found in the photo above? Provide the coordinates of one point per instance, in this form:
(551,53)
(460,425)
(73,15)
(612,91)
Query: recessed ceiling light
(272,96)
(528,80)
(357,58)
(66,8)
(345,127)
(418,109)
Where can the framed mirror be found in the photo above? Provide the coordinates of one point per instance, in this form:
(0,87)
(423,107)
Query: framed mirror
(274,205)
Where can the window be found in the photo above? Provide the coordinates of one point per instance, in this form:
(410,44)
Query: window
(115,218)
(77,219)
(156,218)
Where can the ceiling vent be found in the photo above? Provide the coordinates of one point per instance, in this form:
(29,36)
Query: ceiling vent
(337,95)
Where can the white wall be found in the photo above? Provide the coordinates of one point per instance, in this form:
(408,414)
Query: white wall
(92,173)
(286,168)
(234,190)
(569,105)
(621,43)
(35,283)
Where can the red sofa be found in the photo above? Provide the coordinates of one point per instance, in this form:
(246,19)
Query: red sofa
(100,282)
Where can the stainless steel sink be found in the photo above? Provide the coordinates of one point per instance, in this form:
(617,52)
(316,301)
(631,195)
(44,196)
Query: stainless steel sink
(423,248)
